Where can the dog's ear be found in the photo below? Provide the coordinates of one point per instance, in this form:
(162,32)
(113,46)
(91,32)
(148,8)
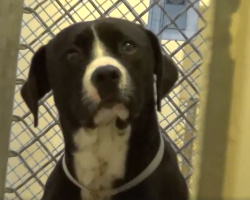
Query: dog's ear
(169,76)
(165,70)
(37,84)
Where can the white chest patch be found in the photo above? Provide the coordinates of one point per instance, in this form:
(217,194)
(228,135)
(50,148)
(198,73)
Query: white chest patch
(101,154)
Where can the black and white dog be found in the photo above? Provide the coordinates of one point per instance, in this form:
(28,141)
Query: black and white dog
(102,76)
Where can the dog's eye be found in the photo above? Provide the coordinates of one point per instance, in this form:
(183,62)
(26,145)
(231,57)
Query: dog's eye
(73,55)
(129,48)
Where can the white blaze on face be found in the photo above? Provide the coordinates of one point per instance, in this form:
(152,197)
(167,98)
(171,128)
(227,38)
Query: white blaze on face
(101,58)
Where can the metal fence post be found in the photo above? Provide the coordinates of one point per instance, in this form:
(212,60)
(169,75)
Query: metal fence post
(10,22)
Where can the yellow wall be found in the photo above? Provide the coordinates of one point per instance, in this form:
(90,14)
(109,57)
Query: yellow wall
(50,14)
(224,165)
(237,172)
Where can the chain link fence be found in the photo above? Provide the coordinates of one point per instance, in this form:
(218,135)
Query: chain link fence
(35,151)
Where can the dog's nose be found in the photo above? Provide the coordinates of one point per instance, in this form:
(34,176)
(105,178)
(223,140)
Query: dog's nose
(106,75)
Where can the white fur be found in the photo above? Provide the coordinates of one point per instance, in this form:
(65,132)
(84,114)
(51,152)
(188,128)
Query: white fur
(101,58)
(101,154)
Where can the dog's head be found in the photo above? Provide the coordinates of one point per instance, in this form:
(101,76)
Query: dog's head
(103,64)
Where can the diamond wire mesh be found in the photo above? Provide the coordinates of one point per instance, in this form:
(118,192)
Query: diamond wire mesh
(35,151)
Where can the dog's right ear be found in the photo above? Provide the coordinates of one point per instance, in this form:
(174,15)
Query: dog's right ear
(37,84)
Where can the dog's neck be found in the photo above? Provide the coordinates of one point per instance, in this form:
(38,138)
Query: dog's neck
(143,145)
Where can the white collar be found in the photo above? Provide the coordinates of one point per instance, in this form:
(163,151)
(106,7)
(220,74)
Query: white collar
(141,177)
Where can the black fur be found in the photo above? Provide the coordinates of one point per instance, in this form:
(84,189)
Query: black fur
(59,66)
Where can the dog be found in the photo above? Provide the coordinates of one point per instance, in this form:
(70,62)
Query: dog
(101,74)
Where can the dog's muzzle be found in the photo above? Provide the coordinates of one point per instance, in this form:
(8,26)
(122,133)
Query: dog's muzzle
(106,80)
(106,83)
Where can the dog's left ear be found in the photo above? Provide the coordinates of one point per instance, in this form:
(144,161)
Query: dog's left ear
(165,70)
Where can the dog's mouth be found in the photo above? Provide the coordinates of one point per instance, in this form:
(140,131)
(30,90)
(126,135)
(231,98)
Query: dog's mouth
(113,106)
(110,101)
